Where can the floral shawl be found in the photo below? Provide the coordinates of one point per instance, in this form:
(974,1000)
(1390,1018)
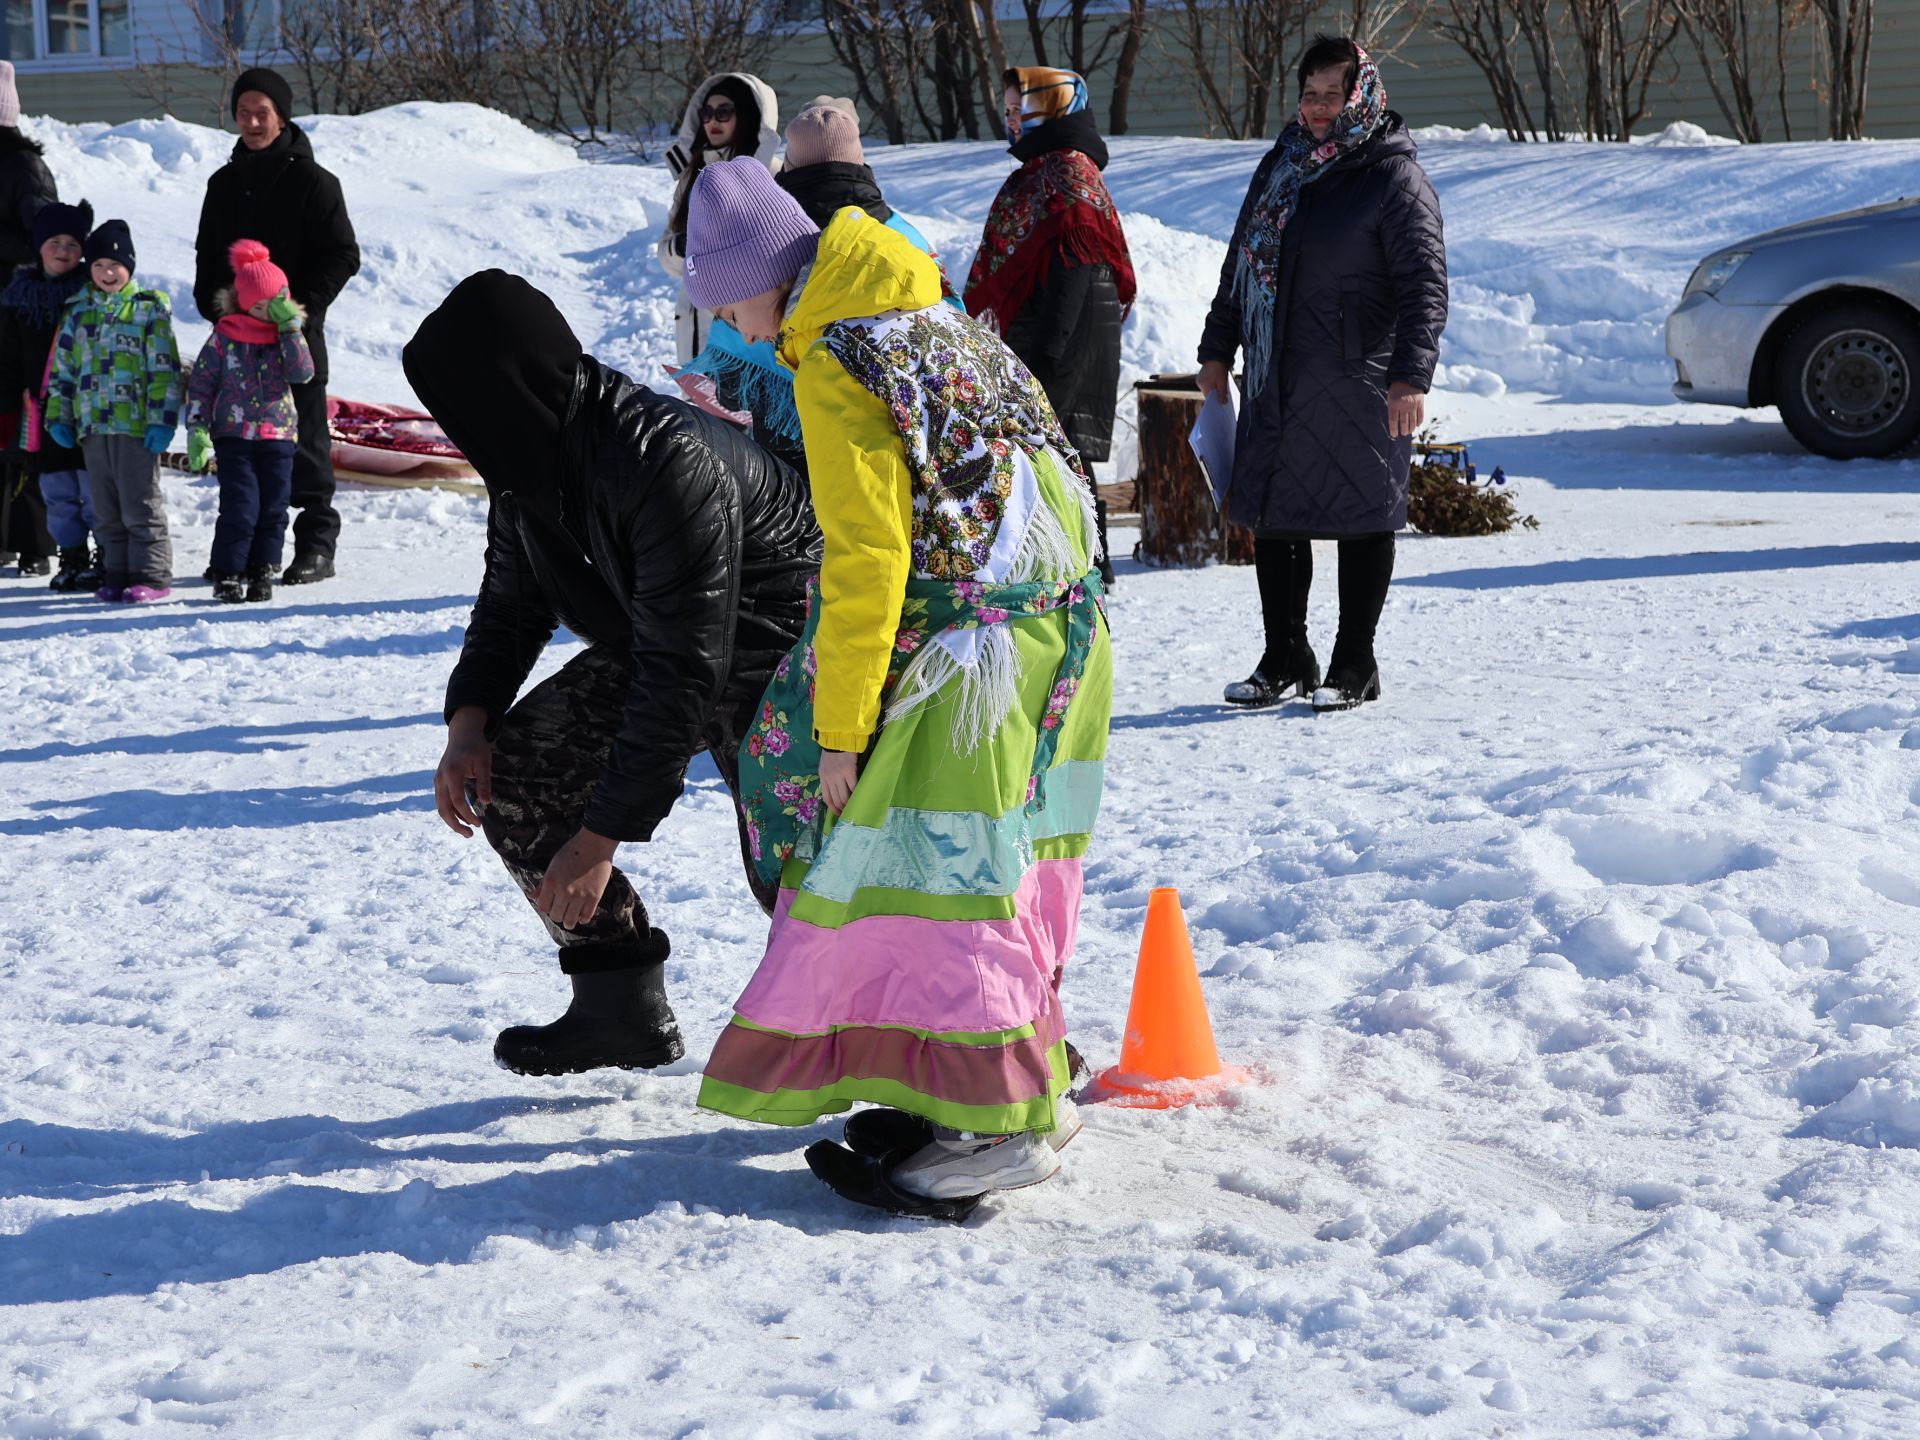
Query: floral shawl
(1298,160)
(780,760)
(1055,204)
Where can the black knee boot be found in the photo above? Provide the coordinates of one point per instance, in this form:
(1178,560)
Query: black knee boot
(619,1017)
(1284,570)
(1353,672)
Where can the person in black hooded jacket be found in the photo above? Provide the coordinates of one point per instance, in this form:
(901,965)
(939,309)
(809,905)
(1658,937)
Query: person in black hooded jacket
(273,191)
(680,551)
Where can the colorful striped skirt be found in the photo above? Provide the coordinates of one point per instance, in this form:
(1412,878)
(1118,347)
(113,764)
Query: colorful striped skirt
(915,958)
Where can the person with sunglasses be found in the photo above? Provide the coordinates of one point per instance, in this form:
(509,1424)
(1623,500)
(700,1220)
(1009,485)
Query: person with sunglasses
(729,115)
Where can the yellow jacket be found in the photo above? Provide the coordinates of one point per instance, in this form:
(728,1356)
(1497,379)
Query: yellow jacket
(862,490)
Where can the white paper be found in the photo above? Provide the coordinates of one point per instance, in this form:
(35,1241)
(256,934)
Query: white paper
(1212,441)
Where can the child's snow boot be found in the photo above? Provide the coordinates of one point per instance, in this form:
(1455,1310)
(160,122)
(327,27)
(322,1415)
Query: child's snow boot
(957,1163)
(32,565)
(619,1016)
(876,1131)
(229,589)
(145,592)
(260,583)
(113,587)
(73,571)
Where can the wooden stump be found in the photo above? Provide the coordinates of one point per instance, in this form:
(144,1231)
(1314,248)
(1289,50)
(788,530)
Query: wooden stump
(1179,523)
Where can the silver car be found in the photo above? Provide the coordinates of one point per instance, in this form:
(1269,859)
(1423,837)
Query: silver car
(1821,319)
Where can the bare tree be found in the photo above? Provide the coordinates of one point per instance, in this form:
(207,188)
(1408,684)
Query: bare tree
(1381,27)
(576,66)
(1619,42)
(1133,37)
(340,50)
(1722,32)
(1236,52)
(881,44)
(1486,31)
(215,35)
(1846,33)
(708,37)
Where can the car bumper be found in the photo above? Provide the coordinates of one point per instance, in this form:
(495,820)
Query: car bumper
(1712,347)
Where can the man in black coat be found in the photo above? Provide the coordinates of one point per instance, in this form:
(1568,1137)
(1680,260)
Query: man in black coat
(680,552)
(273,192)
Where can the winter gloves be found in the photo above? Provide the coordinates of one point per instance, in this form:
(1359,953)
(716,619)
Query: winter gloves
(62,434)
(283,312)
(199,449)
(158,438)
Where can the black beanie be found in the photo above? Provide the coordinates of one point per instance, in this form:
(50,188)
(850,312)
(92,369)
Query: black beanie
(495,366)
(269,83)
(110,240)
(57,219)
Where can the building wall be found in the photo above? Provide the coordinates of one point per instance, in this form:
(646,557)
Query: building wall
(1428,80)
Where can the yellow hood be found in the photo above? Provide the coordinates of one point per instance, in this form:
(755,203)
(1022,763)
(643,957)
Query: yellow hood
(862,268)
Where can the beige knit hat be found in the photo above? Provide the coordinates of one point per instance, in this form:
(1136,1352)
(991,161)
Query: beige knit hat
(828,128)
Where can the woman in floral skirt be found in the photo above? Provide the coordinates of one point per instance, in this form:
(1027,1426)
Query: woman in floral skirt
(927,767)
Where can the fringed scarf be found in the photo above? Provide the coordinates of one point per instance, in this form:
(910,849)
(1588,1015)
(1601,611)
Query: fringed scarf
(1054,205)
(1297,161)
(751,378)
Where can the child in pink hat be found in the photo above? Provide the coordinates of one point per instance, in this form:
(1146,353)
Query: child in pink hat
(240,411)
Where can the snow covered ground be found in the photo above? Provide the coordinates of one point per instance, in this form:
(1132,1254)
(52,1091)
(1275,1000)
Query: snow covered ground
(1579,975)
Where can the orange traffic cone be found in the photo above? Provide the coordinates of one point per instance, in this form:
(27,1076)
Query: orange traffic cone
(1168,1056)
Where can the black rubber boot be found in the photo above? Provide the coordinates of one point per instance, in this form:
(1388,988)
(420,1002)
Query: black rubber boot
(619,1018)
(306,569)
(75,572)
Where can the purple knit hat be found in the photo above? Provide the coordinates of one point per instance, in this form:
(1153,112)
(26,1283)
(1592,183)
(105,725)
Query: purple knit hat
(745,235)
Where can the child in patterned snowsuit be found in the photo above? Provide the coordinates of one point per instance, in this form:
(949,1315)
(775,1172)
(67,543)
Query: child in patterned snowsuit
(927,766)
(116,393)
(240,408)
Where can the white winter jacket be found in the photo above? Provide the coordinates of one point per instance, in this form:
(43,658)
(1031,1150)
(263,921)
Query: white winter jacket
(691,323)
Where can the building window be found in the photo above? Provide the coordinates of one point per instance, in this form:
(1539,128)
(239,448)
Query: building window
(65,29)
(18,34)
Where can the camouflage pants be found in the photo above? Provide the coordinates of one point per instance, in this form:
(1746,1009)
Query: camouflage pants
(547,758)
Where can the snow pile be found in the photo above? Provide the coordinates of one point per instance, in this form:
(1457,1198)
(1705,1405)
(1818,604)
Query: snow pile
(1578,974)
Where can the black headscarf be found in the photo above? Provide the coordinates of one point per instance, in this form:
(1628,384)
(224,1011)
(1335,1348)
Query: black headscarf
(495,366)
(746,115)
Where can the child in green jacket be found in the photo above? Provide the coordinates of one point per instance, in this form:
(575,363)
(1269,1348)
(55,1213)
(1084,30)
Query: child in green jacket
(116,393)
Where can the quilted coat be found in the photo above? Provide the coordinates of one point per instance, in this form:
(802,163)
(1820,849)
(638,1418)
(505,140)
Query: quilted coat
(672,538)
(1362,299)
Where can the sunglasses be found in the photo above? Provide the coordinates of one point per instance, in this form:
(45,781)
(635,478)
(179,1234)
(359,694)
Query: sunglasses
(715,112)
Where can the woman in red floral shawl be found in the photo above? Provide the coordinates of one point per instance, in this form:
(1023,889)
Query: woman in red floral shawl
(1053,274)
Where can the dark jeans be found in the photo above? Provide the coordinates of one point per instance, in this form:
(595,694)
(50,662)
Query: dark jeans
(1284,569)
(256,479)
(316,531)
(547,758)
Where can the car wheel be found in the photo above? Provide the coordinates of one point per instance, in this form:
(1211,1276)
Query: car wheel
(1848,381)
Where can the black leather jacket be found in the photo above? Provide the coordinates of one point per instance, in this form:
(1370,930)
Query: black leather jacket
(670,536)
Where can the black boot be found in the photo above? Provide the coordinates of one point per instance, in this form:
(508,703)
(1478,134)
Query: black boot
(619,1017)
(32,565)
(1353,675)
(229,589)
(307,568)
(260,583)
(1288,667)
(75,570)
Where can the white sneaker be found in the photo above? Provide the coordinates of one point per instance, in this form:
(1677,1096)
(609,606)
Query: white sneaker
(958,1163)
(1066,1124)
